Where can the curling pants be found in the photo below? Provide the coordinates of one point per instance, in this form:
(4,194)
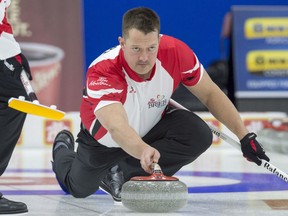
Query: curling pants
(180,137)
(11,121)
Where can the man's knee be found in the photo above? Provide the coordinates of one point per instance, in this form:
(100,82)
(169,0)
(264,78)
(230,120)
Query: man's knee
(81,192)
(195,132)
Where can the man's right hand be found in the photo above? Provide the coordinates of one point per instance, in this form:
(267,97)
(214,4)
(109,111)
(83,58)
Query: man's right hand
(149,156)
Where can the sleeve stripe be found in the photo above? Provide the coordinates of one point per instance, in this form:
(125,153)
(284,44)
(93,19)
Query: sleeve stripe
(100,93)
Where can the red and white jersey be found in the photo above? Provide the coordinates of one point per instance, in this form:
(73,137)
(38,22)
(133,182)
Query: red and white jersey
(8,45)
(111,80)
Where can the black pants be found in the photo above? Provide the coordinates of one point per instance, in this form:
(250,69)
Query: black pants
(180,137)
(11,121)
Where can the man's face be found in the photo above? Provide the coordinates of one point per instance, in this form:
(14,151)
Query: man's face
(140,50)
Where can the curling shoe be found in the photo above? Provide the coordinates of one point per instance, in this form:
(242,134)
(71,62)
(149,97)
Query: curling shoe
(8,207)
(112,184)
(64,139)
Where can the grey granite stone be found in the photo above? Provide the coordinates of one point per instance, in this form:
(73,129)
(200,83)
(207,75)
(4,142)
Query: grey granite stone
(154,196)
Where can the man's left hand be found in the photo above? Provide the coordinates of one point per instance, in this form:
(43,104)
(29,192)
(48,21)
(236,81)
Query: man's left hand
(252,150)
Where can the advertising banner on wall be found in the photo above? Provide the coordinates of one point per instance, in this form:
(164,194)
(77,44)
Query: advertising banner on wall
(260,50)
(50,35)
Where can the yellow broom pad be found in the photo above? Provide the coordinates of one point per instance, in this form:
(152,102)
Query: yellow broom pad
(36,109)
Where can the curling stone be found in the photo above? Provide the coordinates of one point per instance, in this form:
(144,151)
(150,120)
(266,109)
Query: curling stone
(154,193)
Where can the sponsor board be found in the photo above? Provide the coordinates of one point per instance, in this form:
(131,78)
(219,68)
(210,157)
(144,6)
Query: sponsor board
(263,27)
(40,132)
(261,61)
(260,51)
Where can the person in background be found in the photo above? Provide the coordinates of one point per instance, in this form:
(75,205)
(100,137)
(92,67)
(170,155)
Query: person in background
(12,62)
(126,121)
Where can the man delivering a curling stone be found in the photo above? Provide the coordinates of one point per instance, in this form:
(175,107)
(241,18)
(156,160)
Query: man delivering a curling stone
(125,121)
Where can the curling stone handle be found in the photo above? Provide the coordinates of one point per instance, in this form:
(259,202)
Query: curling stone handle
(157,175)
(156,168)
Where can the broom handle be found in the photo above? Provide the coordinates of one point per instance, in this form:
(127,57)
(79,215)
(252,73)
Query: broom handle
(265,164)
(29,90)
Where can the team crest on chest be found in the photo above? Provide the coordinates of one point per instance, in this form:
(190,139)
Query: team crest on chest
(157,102)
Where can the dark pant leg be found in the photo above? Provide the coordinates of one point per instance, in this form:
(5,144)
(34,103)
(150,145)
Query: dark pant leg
(11,121)
(82,172)
(180,137)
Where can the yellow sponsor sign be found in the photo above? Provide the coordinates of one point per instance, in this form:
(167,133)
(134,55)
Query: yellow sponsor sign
(267,60)
(266,27)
